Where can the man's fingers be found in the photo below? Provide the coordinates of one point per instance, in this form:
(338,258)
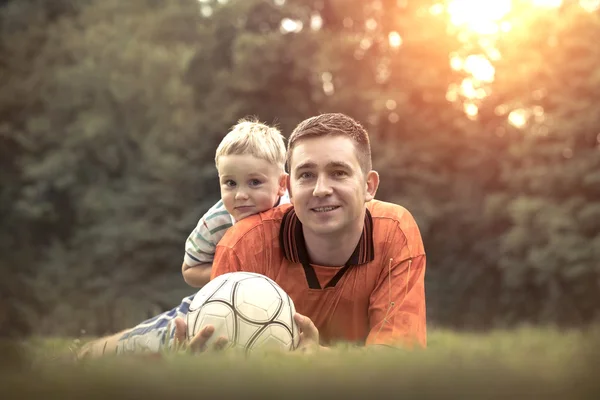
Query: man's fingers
(198,343)
(309,334)
(307,327)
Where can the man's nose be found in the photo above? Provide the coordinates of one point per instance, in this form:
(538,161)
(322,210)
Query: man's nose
(322,187)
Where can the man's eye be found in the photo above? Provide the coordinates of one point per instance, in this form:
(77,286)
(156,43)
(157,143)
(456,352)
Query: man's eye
(305,175)
(340,174)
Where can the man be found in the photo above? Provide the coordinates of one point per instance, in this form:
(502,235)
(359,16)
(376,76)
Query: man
(354,266)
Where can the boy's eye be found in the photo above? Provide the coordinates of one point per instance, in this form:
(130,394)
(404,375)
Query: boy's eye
(230,183)
(254,182)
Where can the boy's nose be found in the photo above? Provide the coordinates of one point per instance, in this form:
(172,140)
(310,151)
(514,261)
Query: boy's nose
(241,195)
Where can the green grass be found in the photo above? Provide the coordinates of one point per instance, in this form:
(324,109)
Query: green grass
(521,364)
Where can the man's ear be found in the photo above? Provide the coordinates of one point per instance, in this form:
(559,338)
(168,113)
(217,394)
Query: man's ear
(283,182)
(371,185)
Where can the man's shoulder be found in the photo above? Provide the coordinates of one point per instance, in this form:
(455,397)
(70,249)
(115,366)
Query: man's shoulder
(262,225)
(384,210)
(389,217)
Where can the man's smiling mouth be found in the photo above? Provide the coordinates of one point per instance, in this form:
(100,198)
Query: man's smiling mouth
(325,209)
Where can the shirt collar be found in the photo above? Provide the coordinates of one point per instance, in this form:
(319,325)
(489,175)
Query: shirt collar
(291,239)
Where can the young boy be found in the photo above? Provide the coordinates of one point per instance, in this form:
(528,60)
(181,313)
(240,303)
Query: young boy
(250,161)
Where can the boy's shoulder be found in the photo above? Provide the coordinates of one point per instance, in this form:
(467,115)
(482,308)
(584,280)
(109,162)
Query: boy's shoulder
(258,226)
(217,215)
(217,207)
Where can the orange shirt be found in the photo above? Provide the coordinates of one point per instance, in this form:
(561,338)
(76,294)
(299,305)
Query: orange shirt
(377,298)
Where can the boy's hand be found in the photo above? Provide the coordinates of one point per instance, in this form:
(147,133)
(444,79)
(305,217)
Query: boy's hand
(198,343)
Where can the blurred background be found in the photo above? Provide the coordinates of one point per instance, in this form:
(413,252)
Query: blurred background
(484,118)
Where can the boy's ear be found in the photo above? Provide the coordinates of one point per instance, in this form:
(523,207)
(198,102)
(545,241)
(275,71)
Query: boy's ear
(283,182)
(371,185)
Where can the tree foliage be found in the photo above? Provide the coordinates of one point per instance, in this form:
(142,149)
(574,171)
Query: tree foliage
(113,110)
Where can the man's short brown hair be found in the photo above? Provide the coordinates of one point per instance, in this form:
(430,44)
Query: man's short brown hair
(330,125)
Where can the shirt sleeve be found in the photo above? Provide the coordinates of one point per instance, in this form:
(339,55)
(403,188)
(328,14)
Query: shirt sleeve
(397,305)
(226,260)
(201,244)
(245,255)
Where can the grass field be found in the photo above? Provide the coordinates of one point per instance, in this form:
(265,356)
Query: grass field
(521,364)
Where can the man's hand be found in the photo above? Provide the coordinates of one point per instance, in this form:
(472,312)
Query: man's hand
(199,342)
(309,335)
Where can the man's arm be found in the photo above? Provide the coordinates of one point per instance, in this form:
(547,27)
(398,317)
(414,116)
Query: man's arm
(196,276)
(397,305)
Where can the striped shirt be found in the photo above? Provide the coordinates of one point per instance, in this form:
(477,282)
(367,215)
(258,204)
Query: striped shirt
(201,244)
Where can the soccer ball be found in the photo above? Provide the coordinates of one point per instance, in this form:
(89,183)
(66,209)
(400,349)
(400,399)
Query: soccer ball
(248,309)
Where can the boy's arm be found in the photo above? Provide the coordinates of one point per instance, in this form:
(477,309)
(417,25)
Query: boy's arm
(201,244)
(197,275)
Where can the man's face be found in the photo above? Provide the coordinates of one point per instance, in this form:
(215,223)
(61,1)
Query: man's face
(249,185)
(327,186)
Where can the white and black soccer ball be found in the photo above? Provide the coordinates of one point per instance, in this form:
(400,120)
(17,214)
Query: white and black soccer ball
(249,309)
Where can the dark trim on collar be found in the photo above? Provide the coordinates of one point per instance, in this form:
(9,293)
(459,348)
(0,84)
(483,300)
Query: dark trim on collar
(292,242)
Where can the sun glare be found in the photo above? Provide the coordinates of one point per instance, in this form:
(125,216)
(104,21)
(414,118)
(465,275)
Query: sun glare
(590,5)
(481,23)
(478,16)
(479,67)
(518,118)
(547,3)
(395,39)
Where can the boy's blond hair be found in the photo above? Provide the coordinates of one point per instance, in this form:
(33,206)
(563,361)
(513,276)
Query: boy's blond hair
(249,136)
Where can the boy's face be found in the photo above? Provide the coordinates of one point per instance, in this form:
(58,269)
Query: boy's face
(249,185)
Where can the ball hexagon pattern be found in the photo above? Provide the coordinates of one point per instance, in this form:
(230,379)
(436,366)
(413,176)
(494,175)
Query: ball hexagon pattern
(251,310)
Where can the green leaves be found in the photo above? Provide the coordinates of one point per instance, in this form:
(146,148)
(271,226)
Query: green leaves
(113,111)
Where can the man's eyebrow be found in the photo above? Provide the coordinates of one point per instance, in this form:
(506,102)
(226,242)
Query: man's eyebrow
(332,164)
(339,164)
(306,164)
